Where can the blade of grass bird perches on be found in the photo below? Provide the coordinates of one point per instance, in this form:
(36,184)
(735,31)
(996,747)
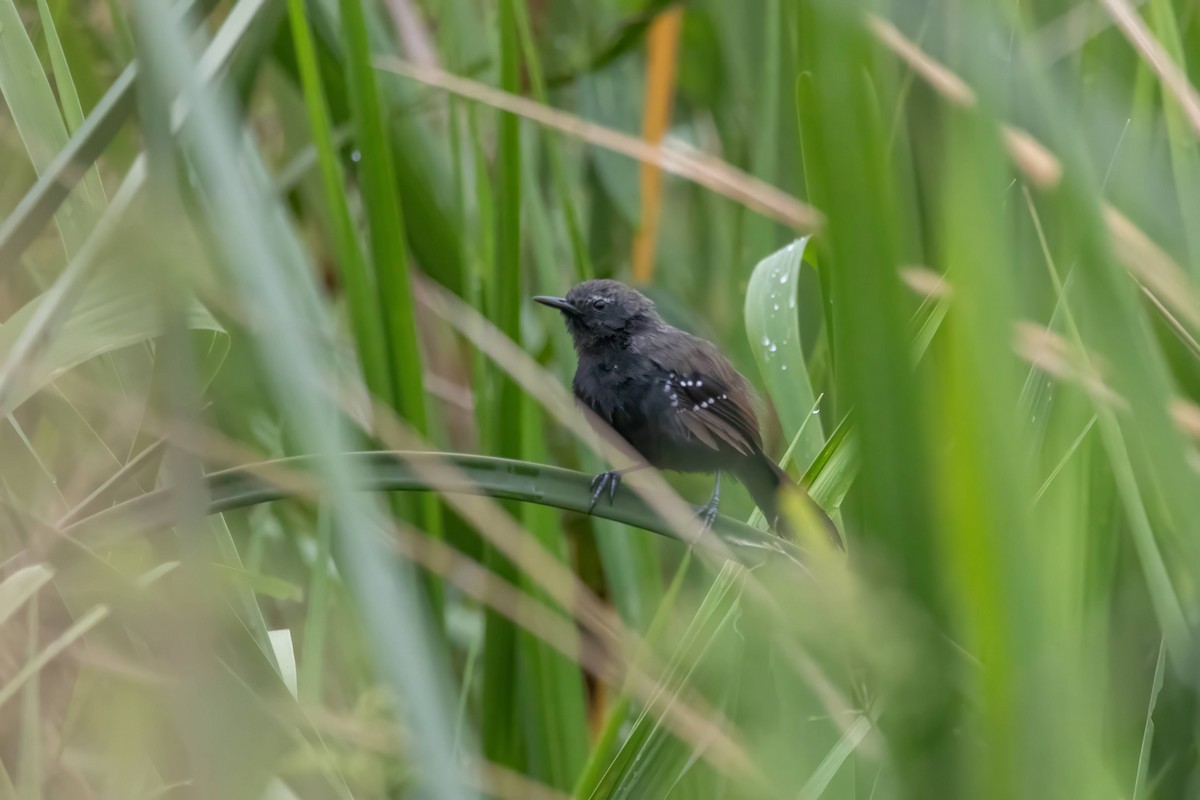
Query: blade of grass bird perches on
(217,449)
(700,168)
(450,474)
(1148,264)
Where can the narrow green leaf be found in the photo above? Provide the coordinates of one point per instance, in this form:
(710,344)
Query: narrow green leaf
(316,626)
(617,716)
(361,290)
(1143,764)
(71,108)
(258,583)
(503,421)
(815,786)
(389,250)
(35,112)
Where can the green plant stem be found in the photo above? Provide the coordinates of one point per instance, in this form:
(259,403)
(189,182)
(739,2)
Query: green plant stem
(401,471)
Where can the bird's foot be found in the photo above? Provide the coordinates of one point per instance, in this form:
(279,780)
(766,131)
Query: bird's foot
(605,480)
(708,511)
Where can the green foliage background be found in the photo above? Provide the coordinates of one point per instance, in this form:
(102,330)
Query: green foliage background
(953,243)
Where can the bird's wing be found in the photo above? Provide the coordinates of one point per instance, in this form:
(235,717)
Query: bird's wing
(714,403)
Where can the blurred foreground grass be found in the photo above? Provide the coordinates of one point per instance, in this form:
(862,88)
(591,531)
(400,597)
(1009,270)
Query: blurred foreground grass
(243,242)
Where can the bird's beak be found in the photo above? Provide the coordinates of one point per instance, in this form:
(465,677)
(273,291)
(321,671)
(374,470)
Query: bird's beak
(557,302)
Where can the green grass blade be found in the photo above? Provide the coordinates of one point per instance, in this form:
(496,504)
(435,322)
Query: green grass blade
(240,487)
(650,760)
(56,180)
(35,112)
(503,421)
(316,626)
(361,292)
(617,716)
(386,224)
(389,250)
(551,693)
(1139,781)
(69,98)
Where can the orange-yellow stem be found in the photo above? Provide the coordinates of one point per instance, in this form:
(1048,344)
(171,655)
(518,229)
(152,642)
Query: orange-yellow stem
(662,55)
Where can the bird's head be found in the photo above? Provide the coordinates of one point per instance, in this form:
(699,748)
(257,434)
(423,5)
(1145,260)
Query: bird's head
(600,310)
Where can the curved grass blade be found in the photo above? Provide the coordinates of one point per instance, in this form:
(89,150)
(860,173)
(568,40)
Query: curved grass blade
(251,484)
(773,326)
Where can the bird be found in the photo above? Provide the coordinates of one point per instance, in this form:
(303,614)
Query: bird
(673,396)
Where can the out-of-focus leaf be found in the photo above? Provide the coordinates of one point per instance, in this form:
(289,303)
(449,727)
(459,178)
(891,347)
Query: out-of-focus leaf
(20,586)
(113,312)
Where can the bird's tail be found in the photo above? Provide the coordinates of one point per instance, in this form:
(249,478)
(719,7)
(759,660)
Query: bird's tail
(763,478)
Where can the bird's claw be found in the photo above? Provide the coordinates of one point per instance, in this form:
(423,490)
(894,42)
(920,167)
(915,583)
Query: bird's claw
(605,480)
(708,515)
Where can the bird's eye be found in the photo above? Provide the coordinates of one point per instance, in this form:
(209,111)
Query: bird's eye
(599,303)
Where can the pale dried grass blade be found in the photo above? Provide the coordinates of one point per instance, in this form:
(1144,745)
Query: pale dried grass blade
(705,170)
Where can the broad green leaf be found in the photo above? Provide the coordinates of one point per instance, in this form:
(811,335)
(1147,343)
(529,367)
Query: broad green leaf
(773,327)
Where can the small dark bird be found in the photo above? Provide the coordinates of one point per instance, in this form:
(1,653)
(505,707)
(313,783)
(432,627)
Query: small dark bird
(671,395)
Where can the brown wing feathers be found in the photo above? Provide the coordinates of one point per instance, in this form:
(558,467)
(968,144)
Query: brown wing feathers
(714,401)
